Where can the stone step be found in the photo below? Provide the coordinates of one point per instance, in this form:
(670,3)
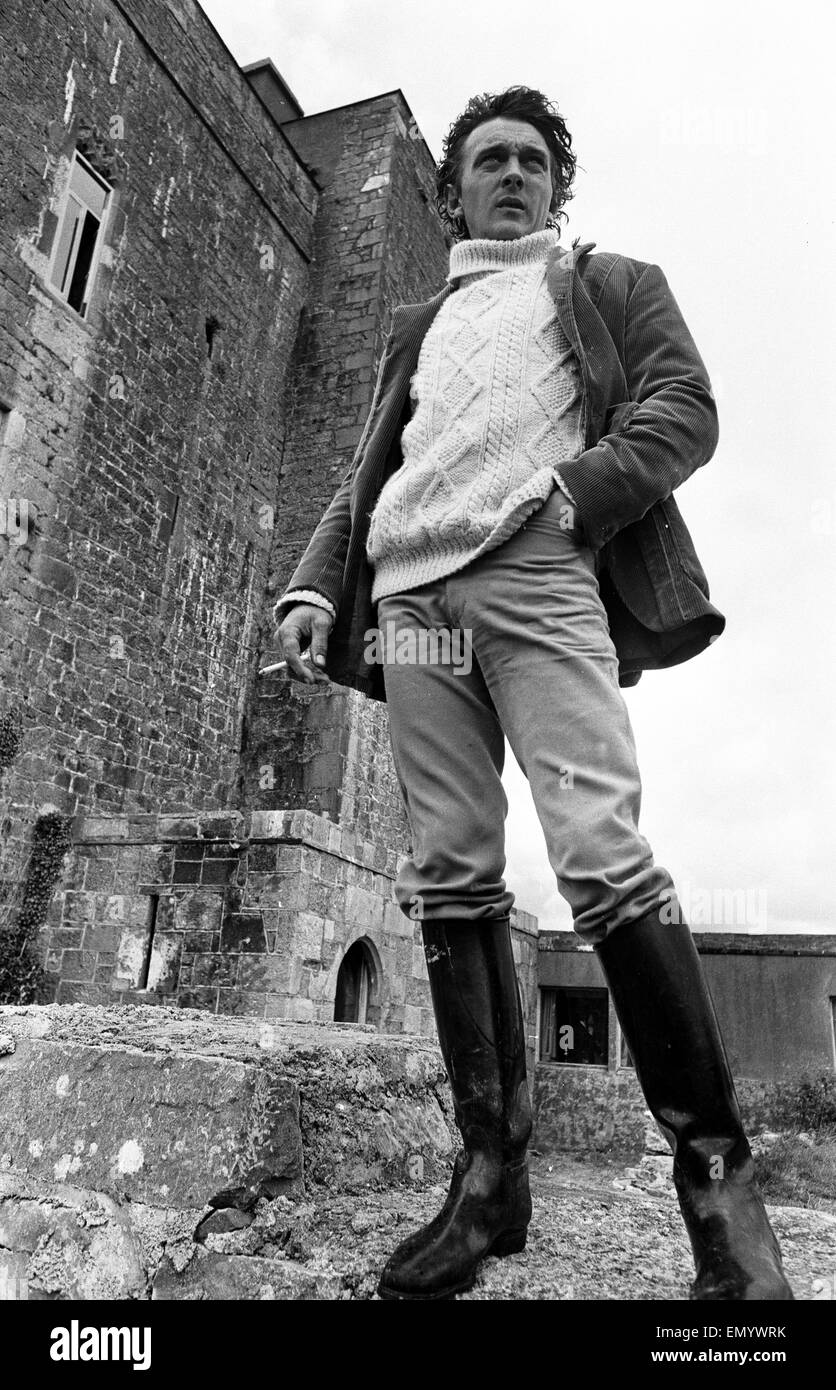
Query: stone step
(135,1123)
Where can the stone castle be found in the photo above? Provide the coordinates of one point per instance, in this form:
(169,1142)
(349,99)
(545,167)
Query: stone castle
(197,283)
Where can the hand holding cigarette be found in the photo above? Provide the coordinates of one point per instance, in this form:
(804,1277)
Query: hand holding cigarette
(309,625)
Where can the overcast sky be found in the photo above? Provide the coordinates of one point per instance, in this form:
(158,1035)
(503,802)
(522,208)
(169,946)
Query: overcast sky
(705,139)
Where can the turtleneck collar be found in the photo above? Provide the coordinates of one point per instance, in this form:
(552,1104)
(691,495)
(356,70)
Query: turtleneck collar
(488,253)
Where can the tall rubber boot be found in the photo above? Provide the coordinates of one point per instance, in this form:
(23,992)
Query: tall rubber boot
(667,1016)
(479,1018)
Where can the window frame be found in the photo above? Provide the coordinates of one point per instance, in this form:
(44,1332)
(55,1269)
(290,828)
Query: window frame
(548,1027)
(71,196)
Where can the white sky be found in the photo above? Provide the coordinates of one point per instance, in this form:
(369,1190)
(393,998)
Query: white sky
(706,136)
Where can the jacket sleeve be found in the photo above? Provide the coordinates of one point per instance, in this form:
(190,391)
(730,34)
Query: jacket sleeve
(322,565)
(294,596)
(666,430)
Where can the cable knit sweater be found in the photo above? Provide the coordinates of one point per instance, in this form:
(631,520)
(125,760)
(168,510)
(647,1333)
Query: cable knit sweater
(497,406)
(497,399)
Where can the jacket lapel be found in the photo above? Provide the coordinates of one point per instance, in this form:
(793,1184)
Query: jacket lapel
(410,323)
(400,359)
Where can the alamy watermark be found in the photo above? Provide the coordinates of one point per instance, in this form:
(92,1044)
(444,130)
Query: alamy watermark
(391,645)
(715,907)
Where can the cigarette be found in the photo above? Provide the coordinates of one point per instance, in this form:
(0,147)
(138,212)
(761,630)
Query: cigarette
(280,665)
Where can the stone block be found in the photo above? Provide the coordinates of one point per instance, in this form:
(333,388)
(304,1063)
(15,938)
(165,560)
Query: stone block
(78,965)
(265,973)
(71,1245)
(588,1108)
(177,828)
(218,871)
(101,938)
(78,908)
(99,874)
(146,1125)
(203,997)
(242,1002)
(215,969)
(305,936)
(411,1019)
(243,931)
(164,962)
(200,911)
(73,992)
(187,871)
(419,963)
(173,1107)
(130,954)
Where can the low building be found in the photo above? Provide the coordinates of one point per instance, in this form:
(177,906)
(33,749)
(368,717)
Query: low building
(775,998)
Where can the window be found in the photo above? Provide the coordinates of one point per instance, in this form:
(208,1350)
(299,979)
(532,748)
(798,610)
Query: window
(79,235)
(574,1027)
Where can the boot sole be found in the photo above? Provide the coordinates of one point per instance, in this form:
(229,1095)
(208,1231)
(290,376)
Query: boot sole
(508,1243)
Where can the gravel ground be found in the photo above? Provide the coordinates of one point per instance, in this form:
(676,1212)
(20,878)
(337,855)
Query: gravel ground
(599,1231)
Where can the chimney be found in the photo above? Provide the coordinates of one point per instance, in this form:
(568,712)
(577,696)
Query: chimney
(269,84)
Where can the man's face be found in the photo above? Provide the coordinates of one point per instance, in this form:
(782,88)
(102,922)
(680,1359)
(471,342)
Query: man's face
(506,186)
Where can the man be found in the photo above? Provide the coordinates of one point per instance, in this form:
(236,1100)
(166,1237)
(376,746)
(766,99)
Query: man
(513,484)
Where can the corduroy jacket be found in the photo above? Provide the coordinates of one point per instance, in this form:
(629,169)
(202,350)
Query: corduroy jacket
(649,420)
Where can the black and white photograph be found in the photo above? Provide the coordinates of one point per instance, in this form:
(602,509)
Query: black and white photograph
(417,613)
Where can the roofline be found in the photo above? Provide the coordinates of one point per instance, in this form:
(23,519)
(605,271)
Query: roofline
(366,101)
(250,88)
(714,941)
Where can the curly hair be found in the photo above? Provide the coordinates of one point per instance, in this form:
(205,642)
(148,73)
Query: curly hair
(516,103)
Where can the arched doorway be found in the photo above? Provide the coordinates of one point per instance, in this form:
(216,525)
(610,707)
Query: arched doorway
(356,983)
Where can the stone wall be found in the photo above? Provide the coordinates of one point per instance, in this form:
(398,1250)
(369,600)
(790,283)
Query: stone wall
(248,914)
(600,1110)
(776,999)
(145,437)
(377,243)
(587,1110)
(326,749)
(233,914)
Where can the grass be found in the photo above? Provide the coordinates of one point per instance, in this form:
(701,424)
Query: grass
(800,1171)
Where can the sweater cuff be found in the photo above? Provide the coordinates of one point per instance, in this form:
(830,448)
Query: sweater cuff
(305,596)
(563,487)
(580,530)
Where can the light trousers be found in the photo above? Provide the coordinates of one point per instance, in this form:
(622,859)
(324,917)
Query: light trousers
(527,619)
